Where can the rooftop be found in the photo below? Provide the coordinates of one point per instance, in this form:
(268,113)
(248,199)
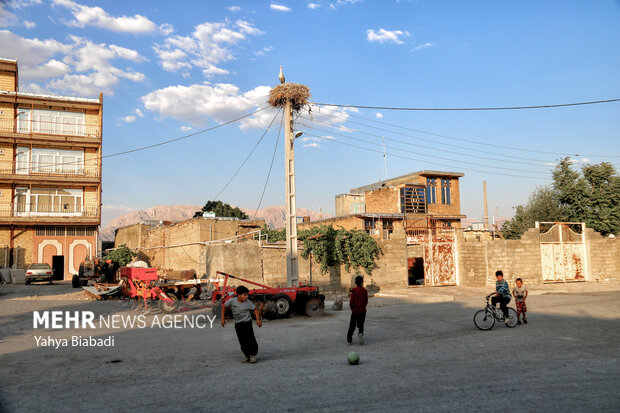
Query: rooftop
(50,97)
(391,181)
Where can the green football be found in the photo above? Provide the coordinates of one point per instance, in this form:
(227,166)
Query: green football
(353,358)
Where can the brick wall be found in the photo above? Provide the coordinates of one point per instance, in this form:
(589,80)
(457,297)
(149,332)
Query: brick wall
(348,222)
(383,200)
(7,80)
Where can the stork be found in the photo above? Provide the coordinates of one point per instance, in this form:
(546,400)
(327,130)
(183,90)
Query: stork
(281,76)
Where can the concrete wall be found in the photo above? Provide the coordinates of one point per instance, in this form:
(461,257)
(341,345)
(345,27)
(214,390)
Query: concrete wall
(267,265)
(478,260)
(345,204)
(604,256)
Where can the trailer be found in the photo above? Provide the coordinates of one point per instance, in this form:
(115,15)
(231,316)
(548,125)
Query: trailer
(273,302)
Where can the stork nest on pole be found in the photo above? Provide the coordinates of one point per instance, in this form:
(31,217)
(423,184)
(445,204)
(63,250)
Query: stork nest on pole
(289,92)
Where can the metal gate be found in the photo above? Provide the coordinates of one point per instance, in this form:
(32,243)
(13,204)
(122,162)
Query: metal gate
(562,251)
(439,254)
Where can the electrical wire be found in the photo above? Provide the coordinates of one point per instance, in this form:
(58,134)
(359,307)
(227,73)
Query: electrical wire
(423,146)
(594,102)
(465,140)
(249,155)
(273,157)
(432,156)
(185,136)
(420,160)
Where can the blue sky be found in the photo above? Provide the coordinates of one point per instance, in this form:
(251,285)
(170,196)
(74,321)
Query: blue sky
(172,68)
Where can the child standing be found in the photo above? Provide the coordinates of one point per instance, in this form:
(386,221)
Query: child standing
(241,308)
(520,293)
(357,303)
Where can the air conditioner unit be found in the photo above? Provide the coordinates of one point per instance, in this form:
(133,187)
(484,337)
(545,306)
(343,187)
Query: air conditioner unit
(1,151)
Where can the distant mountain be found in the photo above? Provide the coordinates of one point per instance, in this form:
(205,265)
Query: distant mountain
(174,213)
(274,216)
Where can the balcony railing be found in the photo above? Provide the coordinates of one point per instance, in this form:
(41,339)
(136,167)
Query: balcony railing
(69,169)
(35,127)
(21,210)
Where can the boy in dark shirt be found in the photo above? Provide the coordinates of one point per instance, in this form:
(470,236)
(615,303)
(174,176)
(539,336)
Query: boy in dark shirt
(241,308)
(357,303)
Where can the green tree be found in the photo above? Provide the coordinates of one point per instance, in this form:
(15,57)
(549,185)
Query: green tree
(221,210)
(592,196)
(542,205)
(121,256)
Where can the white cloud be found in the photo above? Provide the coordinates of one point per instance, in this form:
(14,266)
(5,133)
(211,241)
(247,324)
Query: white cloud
(80,67)
(210,45)
(313,6)
(263,51)
(246,27)
(343,3)
(186,128)
(96,16)
(29,24)
(166,28)
(20,4)
(379,115)
(312,145)
(386,36)
(139,112)
(221,101)
(279,7)
(234,8)
(129,119)
(52,68)
(423,46)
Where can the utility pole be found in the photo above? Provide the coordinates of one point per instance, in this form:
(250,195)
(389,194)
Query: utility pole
(486,206)
(292,269)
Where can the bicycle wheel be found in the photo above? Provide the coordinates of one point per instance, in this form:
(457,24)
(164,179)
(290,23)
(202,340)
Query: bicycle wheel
(484,319)
(512,317)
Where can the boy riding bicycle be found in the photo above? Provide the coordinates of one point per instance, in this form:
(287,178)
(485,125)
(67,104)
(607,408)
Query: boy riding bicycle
(502,294)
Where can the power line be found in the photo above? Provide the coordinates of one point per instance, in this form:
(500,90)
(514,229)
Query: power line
(248,157)
(273,157)
(463,140)
(481,108)
(419,160)
(185,136)
(436,157)
(423,146)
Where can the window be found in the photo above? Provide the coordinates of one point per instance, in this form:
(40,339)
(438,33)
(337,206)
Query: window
(358,208)
(50,122)
(388,229)
(430,190)
(49,161)
(445,191)
(369,226)
(48,202)
(412,200)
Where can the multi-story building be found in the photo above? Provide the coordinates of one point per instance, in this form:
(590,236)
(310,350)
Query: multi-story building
(413,202)
(50,176)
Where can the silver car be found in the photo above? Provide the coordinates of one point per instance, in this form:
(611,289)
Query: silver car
(38,272)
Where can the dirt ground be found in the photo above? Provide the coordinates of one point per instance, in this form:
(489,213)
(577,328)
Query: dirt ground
(422,353)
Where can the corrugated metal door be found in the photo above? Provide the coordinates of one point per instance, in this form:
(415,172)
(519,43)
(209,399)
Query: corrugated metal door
(562,252)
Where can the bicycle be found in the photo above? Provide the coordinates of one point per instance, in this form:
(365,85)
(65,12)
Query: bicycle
(485,319)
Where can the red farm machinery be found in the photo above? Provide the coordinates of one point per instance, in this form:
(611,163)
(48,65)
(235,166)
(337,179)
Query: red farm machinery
(273,302)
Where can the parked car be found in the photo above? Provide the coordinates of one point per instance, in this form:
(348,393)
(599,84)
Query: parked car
(38,272)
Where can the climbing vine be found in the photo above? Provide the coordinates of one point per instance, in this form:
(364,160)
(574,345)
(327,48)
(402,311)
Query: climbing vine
(331,246)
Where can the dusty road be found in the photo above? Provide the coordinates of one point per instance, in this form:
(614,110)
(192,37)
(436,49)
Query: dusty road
(419,356)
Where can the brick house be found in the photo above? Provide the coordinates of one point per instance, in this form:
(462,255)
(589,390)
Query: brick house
(50,176)
(409,202)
